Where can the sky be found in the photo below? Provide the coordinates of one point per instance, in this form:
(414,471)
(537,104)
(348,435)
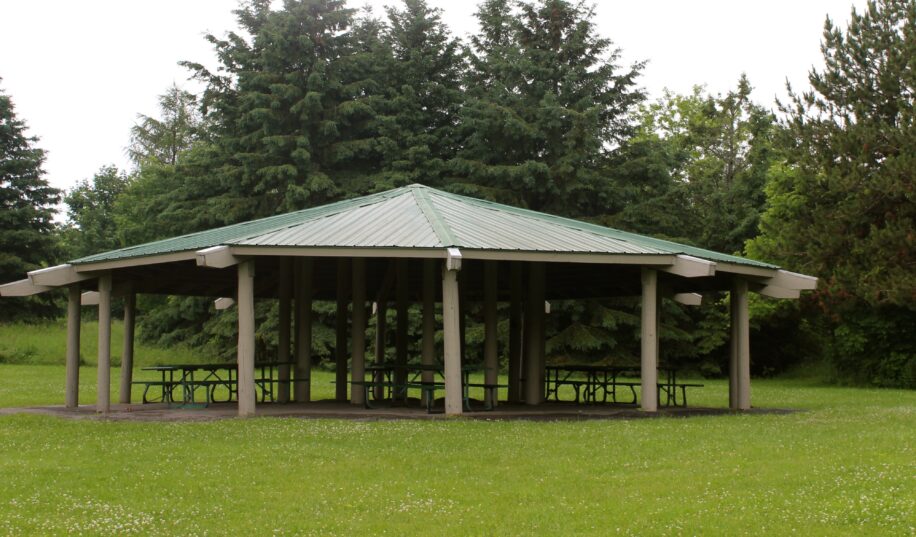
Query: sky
(79,73)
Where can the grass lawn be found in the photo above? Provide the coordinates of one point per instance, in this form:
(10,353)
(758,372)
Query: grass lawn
(844,466)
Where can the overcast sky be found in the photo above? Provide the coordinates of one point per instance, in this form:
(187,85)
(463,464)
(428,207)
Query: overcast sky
(80,72)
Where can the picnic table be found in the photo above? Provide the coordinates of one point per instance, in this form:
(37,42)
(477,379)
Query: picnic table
(189,379)
(392,381)
(604,384)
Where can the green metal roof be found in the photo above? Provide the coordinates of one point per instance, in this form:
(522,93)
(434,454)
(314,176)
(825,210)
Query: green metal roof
(419,217)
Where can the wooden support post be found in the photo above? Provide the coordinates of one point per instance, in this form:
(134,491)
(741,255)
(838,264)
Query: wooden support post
(358,366)
(490,356)
(381,332)
(744,352)
(649,362)
(534,331)
(401,304)
(284,296)
(452,346)
(103,388)
(462,315)
(515,332)
(733,347)
(245,349)
(340,350)
(127,354)
(73,346)
(428,354)
(303,369)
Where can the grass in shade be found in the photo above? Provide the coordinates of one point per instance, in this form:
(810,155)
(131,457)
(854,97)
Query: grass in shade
(845,465)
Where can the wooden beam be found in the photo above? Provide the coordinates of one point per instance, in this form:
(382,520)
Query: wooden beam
(141,261)
(217,257)
(453,259)
(773,291)
(57,276)
(89,298)
(690,267)
(223,303)
(22,288)
(688,299)
(793,280)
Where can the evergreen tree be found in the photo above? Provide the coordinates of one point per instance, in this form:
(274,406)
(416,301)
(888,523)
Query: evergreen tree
(424,95)
(292,108)
(26,213)
(547,104)
(162,139)
(841,207)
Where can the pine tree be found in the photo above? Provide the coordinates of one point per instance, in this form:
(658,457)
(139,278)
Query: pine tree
(26,213)
(162,139)
(548,103)
(292,107)
(842,207)
(423,95)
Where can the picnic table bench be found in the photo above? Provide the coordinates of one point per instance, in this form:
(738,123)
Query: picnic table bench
(384,384)
(600,384)
(185,377)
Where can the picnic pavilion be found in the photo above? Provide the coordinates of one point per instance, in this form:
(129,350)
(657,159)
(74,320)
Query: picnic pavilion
(408,245)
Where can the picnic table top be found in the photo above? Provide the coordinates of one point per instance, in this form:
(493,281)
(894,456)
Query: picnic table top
(206,367)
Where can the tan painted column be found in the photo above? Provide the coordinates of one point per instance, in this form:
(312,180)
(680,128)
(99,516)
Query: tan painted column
(358,362)
(381,331)
(245,349)
(451,332)
(744,351)
(284,296)
(515,332)
(340,348)
(428,346)
(303,389)
(103,385)
(127,353)
(74,313)
(534,333)
(490,357)
(401,303)
(649,362)
(733,348)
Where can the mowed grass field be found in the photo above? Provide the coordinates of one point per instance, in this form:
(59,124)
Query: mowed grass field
(844,465)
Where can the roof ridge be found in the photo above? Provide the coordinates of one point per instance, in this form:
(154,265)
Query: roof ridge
(322,211)
(596,229)
(319,210)
(440,226)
